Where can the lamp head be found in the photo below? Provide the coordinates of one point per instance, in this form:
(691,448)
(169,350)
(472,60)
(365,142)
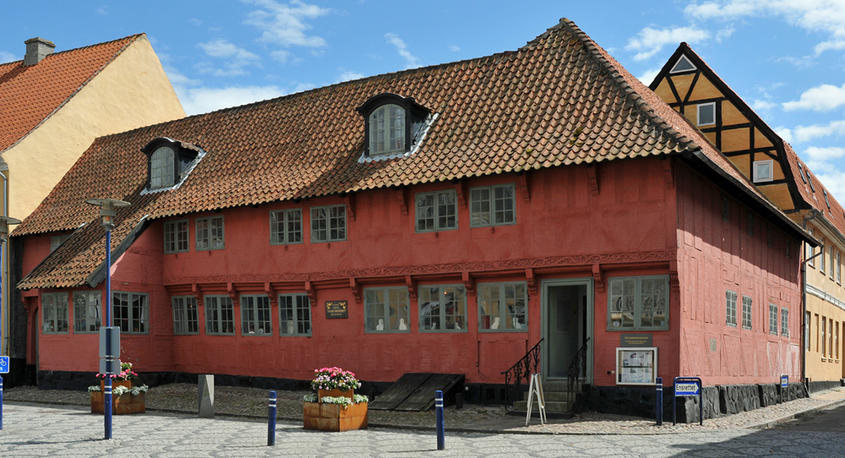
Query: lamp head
(5,221)
(108,210)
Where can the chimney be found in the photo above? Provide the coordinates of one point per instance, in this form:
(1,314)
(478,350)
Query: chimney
(37,49)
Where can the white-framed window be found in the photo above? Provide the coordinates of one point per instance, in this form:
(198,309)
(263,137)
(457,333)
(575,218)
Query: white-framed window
(836,340)
(821,257)
(176,236)
(86,311)
(294,315)
(387,130)
(763,171)
(185,316)
(386,309)
(830,336)
(824,336)
(730,308)
(219,315)
(706,114)
(839,267)
(255,315)
(807,324)
(285,226)
(502,307)
(636,303)
(832,262)
(682,65)
(54,313)
(773,319)
(826,199)
(746,312)
(436,211)
(210,233)
(162,173)
(442,308)
(57,240)
(328,224)
(131,312)
(492,205)
(784,322)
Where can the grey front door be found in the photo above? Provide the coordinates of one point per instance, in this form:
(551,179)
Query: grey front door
(565,325)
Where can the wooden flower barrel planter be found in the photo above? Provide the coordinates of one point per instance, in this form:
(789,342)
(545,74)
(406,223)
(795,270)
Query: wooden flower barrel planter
(334,417)
(121,405)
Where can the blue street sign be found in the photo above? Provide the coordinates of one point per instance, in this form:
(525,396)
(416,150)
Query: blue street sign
(4,364)
(687,388)
(784,381)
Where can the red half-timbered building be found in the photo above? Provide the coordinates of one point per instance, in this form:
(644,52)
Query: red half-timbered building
(443,219)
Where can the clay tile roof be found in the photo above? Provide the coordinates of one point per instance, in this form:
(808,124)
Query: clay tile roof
(30,94)
(813,196)
(558,100)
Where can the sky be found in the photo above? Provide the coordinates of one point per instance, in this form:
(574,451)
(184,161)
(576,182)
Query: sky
(785,58)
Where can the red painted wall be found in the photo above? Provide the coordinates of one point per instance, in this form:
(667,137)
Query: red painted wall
(717,254)
(615,219)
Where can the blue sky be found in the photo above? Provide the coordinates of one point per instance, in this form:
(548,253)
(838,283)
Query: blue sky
(784,57)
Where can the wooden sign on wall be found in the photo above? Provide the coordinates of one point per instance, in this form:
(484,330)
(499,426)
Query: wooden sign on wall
(337,309)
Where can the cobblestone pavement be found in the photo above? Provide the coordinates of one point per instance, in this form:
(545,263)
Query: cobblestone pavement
(32,430)
(252,402)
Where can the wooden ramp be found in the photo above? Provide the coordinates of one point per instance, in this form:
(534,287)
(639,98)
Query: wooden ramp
(415,391)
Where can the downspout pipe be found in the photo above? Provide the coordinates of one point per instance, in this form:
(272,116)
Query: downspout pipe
(804,337)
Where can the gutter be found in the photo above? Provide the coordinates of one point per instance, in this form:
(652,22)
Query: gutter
(805,382)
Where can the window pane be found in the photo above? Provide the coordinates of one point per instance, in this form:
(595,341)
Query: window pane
(374,302)
(504,204)
(86,311)
(303,314)
(446,212)
(622,303)
(746,312)
(294,226)
(425,212)
(398,309)
(429,308)
(479,206)
(319,224)
(397,129)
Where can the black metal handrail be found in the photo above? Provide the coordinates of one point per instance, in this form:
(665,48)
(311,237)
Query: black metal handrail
(575,373)
(522,369)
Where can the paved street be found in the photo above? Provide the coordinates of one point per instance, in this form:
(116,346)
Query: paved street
(830,419)
(42,431)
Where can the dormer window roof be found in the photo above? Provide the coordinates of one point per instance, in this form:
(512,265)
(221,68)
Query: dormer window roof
(394,125)
(169,162)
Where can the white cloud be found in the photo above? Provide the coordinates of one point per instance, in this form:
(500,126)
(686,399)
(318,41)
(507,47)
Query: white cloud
(785,133)
(103,10)
(834,181)
(648,76)
(807,133)
(280,55)
(235,59)
(285,25)
(195,22)
(820,98)
(411,60)
(831,45)
(7,57)
(204,99)
(724,34)
(817,153)
(826,16)
(454,48)
(348,76)
(762,105)
(649,41)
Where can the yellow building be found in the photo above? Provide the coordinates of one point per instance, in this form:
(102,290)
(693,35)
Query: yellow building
(692,88)
(52,106)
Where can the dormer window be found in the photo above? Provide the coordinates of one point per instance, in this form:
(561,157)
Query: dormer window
(162,166)
(394,125)
(169,163)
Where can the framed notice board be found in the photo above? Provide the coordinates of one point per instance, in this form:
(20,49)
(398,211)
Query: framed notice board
(636,365)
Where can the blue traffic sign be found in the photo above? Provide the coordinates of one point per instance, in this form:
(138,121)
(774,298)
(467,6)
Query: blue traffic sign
(784,381)
(687,388)
(4,364)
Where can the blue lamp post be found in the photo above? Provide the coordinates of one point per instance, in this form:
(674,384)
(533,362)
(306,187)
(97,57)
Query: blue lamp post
(5,221)
(108,210)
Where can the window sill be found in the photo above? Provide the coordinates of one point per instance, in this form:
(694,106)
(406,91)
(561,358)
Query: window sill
(442,331)
(641,329)
(490,331)
(373,332)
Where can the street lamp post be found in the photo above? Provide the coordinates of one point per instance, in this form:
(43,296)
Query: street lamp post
(5,221)
(108,210)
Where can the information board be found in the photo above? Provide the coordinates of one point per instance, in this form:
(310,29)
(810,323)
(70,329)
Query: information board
(337,309)
(4,364)
(636,365)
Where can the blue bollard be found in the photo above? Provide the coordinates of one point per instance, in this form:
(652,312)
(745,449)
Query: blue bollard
(658,409)
(1,402)
(271,419)
(438,407)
